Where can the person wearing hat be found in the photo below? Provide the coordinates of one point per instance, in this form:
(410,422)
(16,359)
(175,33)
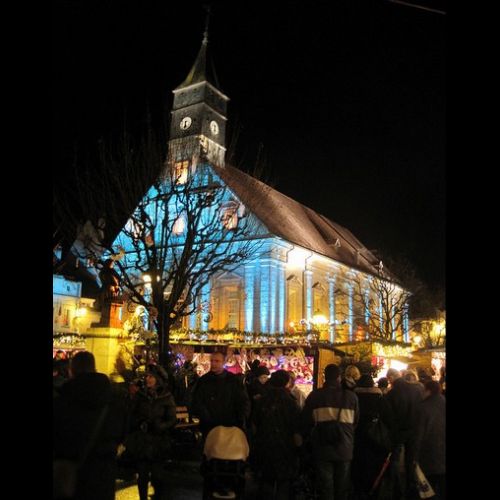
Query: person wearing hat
(148,443)
(259,385)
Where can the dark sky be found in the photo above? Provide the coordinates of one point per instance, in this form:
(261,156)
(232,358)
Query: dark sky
(342,102)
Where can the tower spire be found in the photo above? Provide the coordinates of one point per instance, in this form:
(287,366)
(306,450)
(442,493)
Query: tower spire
(202,69)
(207,21)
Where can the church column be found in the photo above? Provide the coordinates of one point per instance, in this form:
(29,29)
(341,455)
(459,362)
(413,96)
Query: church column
(206,312)
(331,307)
(308,275)
(367,312)
(269,295)
(249,296)
(406,332)
(265,287)
(350,319)
(148,291)
(280,326)
(193,317)
(273,295)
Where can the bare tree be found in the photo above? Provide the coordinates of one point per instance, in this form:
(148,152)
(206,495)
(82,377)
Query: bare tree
(381,302)
(184,230)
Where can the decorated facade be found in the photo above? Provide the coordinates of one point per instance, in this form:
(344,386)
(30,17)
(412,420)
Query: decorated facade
(307,274)
(264,276)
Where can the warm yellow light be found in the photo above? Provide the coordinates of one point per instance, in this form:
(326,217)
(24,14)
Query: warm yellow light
(181,172)
(81,311)
(291,324)
(398,365)
(441,327)
(147,278)
(417,339)
(297,257)
(319,319)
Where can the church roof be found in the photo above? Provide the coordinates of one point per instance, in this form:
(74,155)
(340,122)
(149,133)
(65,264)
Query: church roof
(296,223)
(203,69)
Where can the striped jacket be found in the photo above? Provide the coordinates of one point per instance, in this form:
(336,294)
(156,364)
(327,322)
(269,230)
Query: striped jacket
(324,405)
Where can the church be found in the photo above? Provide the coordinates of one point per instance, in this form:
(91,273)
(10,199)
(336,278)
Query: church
(305,273)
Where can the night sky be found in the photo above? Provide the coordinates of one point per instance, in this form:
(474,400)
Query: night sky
(341,103)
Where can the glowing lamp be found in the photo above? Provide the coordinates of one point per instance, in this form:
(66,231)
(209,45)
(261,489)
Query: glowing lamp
(319,319)
(81,311)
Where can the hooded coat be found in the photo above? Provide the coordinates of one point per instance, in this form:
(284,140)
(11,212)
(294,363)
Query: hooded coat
(153,415)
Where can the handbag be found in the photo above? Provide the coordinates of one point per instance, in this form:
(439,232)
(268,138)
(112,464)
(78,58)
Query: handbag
(377,433)
(423,486)
(65,472)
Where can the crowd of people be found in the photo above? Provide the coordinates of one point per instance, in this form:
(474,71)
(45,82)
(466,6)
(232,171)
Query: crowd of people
(321,446)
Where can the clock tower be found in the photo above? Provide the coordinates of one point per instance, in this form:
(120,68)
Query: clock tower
(198,122)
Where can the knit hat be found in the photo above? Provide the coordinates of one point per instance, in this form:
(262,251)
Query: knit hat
(158,373)
(262,370)
(279,378)
(365,381)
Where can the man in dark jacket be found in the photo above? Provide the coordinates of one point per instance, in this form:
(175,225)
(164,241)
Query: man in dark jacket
(86,403)
(430,445)
(276,418)
(399,411)
(219,398)
(331,404)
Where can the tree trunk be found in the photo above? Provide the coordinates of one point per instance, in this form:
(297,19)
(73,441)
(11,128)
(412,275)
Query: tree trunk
(164,355)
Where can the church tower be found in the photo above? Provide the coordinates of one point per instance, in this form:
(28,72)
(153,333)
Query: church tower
(198,121)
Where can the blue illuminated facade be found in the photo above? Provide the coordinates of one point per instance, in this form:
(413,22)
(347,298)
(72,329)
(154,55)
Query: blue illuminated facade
(300,252)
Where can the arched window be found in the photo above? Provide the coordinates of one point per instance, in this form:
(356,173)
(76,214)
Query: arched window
(229,214)
(181,172)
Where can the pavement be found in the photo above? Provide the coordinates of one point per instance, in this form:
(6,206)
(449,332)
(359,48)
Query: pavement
(184,480)
(185,483)
(183,477)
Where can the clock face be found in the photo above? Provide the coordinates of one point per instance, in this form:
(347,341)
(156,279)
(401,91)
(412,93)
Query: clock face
(214,128)
(185,123)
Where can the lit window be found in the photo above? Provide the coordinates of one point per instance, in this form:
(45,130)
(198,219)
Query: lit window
(229,218)
(179,225)
(181,172)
